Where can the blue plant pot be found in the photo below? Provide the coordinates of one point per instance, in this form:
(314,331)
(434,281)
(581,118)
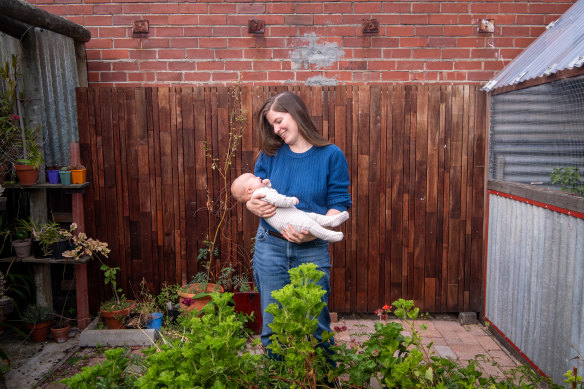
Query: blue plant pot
(155,322)
(53,176)
(65,177)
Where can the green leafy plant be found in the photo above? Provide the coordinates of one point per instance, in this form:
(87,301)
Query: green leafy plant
(119,301)
(569,179)
(168,295)
(34,314)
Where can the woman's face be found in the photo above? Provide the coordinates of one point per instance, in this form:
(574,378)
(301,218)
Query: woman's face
(284,126)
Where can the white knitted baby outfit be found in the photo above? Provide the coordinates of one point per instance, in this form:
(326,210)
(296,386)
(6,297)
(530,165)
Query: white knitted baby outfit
(288,214)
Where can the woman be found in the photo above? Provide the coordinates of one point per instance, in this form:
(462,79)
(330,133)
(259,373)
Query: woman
(300,163)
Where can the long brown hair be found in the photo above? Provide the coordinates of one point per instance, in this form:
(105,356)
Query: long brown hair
(290,103)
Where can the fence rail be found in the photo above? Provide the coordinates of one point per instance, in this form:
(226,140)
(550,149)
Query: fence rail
(416,157)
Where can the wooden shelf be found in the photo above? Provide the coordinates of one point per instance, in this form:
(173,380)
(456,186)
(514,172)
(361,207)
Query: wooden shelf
(73,188)
(48,260)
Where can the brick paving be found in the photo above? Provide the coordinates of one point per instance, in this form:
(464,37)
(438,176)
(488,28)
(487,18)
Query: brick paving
(448,339)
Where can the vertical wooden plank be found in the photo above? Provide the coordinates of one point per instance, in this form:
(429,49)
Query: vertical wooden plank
(201,223)
(397,192)
(443,204)
(419,201)
(387,167)
(354,264)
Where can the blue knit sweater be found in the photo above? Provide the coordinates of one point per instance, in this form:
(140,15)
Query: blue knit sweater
(319,177)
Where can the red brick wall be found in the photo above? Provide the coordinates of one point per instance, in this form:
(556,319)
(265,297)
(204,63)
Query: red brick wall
(207,42)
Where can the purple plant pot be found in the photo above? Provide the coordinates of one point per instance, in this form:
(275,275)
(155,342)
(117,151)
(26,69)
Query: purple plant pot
(53,176)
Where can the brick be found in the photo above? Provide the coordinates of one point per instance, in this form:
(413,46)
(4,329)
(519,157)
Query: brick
(384,42)
(224,77)
(513,8)
(397,53)
(213,42)
(387,19)
(531,19)
(227,31)
(366,76)
(153,65)
(282,31)
(455,53)
(181,66)
(222,8)
(210,65)
(197,31)
(367,7)
(311,30)
(142,76)
(448,7)
(440,65)
(279,53)
(425,8)
(537,31)
(99,44)
(395,76)
(398,8)
(339,75)
(480,76)
(483,53)
(520,42)
(443,19)
(305,75)
(273,76)
(381,65)
(484,8)
(429,30)
(338,8)
(543,8)
(228,53)
(169,76)
(254,76)
(172,54)
(171,32)
(341,31)
(308,8)
(414,19)
(441,42)
(459,30)
(214,20)
(114,54)
(353,65)
(280,8)
(409,65)
(183,19)
(472,42)
(368,53)
(298,19)
(257,53)
(113,32)
(327,40)
(400,31)
(111,77)
(413,42)
(190,8)
(136,8)
(426,53)
(201,54)
(454,76)
(238,65)
(252,8)
(93,66)
(363,41)
(166,8)
(98,9)
(266,65)
(158,43)
(129,43)
(143,54)
(197,76)
(97,20)
(355,18)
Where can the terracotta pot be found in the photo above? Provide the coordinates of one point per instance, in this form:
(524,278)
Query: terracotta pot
(22,247)
(248,302)
(26,174)
(39,331)
(192,291)
(78,176)
(61,334)
(114,320)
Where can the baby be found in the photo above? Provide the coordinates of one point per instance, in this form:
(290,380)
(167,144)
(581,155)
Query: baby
(244,186)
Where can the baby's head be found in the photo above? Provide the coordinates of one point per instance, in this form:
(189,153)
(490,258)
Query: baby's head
(244,185)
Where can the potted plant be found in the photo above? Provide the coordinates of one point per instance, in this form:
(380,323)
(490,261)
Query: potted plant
(168,299)
(60,328)
(21,242)
(115,310)
(37,319)
(27,167)
(49,239)
(65,176)
(211,278)
(52,174)
(78,173)
(146,312)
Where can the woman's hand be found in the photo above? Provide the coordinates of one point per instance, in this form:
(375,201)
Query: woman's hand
(294,236)
(259,207)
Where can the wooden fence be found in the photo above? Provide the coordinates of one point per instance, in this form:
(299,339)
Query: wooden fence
(416,157)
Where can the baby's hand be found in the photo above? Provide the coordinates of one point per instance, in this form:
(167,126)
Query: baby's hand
(295,200)
(266,182)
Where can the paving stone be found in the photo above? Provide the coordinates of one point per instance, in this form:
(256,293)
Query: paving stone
(446,352)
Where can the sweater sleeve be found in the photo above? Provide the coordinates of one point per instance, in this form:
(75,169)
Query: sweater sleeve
(263,166)
(338,196)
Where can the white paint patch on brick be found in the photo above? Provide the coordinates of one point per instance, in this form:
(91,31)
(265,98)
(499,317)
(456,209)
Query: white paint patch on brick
(319,55)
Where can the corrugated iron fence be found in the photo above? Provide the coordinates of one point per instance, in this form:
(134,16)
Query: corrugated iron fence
(416,156)
(535,278)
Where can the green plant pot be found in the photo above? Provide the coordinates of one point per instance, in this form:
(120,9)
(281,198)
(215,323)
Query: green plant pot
(65,177)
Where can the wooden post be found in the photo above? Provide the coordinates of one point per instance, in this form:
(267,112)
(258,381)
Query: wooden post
(81,289)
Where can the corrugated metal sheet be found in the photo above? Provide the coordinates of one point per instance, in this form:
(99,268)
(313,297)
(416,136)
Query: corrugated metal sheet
(58,79)
(537,129)
(535,282)
(561,47)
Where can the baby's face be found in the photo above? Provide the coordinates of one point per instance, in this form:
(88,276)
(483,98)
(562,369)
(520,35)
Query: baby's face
(255,182)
